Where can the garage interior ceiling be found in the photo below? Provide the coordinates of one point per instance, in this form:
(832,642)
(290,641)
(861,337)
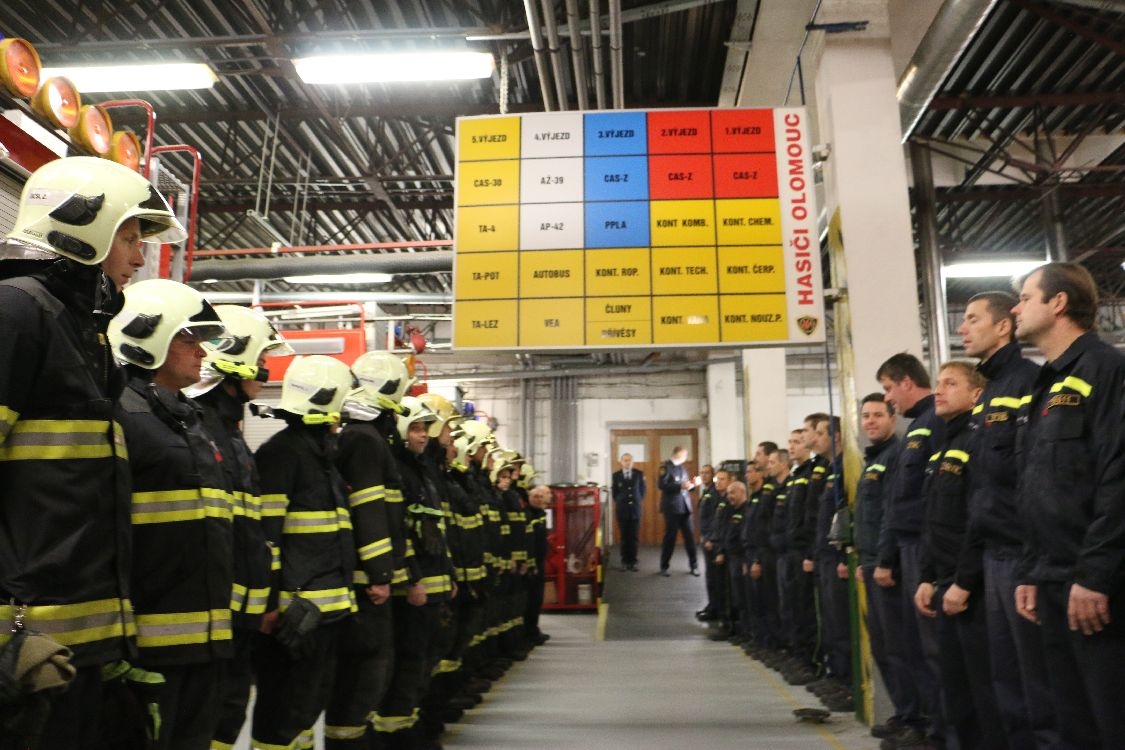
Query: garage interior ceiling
(1027,129)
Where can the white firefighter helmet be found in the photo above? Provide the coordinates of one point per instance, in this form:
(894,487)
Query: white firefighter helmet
(383,380)
(74,206)
(444,409)
(411,410)
(462,444)
(477,434)
(527,475)
(250,334)
(315,387)
(155,311)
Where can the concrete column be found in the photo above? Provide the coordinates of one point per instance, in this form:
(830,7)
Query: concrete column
(866,198)
(764,396)
(723,420)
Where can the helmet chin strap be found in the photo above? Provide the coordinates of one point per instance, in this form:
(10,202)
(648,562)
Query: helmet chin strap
(108,299)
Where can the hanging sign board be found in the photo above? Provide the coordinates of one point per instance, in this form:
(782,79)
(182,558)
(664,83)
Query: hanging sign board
(661,228)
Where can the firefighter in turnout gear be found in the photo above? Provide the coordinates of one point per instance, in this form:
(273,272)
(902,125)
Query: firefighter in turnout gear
(232,376)
(64,504)
(181,507)
(374,495)
(505,467)
(497,550)
(418,600)
(536,511)
(305,514)
(475,583)
(447,698)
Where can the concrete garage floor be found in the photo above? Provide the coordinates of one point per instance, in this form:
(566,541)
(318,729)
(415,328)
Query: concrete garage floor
(655,682)
(643,676)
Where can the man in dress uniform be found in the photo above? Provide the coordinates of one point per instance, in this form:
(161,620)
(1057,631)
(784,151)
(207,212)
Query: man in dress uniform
(628,493)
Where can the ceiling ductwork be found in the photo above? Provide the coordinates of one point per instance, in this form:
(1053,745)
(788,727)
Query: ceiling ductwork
(278,267)
(954,27)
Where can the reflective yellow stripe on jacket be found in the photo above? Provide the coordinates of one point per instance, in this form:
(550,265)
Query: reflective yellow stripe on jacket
(436,584)
(66,439)
(182,628)
(8,419)
(375,549)
(367,495)
(468,522)
(250,601)
(273,506)
(168,506)
(246,504)
(326,600)
(1075,384)
(72,624)
(316,521)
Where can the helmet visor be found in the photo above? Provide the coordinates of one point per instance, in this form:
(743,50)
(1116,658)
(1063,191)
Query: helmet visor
(158,223)
(212,334)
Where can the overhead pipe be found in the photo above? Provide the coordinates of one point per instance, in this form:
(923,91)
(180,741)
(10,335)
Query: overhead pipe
(933,287)
(616,55)
(951,32)
(280,267)
(557,65)
(578,372)
(535,29)
(596,52)
(382,298)
(577,55)
(313,249)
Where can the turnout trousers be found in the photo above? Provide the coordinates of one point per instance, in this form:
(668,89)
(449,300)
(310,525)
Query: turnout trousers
(363,671)
(414,627)
(292,692)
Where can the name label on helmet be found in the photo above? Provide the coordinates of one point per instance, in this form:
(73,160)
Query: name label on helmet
(47,197)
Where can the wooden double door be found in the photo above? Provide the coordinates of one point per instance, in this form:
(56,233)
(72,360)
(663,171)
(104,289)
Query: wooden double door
(650,448)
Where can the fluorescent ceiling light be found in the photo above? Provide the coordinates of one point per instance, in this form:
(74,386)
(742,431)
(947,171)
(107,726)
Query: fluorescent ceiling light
(342,278)
(91,79)
(388,67)
(991,269)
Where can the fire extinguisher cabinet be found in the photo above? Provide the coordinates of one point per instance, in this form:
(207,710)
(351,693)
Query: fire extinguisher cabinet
(574,573)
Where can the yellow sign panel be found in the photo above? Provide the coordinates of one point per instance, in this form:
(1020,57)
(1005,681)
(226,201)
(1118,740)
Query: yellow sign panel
(622,320)
(488,228)
(617,272)
(481,139)
(749,221)
(605,333)
(488,183)
(682,222)
(685,320)
(684,270)
(669,228)
(758,317)
(619,309)
(551,322)
(551,273)
(487,275)
(753,270)
(483,324)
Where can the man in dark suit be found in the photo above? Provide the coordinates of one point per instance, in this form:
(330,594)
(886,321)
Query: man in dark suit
(675,504)
(628,492)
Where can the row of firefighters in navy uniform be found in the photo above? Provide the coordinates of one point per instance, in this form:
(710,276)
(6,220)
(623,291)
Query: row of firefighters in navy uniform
(383,573)
(990,539)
